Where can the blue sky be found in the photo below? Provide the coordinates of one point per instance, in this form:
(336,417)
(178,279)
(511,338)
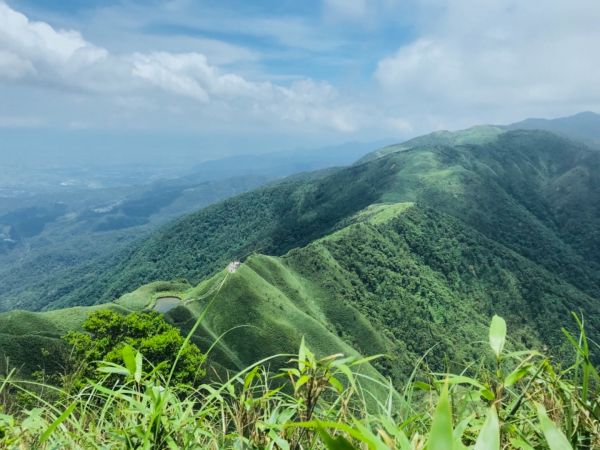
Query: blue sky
(243,76)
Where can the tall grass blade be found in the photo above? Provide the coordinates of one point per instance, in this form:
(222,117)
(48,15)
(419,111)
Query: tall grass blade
(67,412)
(441,437)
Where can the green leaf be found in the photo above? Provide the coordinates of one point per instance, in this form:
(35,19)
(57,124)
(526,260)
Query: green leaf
(516,375)
(353,432)
(302,381)
(555,438)
(334,443)
(440,436)
(422,386)
(461,379)
(489,436)
(57,422)
(250,377)
(119,370)
(497,334)
(337,384)
(138,367)
(302,355)
(461,427)
(128,355)
(520,444)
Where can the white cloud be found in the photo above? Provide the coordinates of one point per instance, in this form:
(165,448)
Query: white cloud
(38,54)
(35,47)
(490,61)
(498,58)
(13,66)
(180,74)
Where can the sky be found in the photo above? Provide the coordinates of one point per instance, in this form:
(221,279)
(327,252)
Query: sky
(209,78)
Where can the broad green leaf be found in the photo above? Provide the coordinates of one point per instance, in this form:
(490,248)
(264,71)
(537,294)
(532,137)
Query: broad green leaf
(390,427)
(440,436)
(497,335)
(128,355)
(488,394)
(366,359)
(461,379)
(520,444)
(489,436)
(460,428)
(422,386)
(250,377)
(302,381)
(279,441)
(555,438)
(353,432)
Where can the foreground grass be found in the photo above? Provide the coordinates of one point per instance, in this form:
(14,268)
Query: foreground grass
(517,400)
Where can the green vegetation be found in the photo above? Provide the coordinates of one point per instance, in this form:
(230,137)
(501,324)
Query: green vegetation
(31,342)
(108,336)
(397,280)
(519,400)
(530,191)
(408,254)
(476,135)
(42,244)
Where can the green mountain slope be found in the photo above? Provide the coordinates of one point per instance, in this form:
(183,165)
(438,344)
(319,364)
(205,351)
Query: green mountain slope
(531,191)
(399,279)
(475,135)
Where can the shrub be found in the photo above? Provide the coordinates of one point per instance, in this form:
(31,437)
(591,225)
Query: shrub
(107,334)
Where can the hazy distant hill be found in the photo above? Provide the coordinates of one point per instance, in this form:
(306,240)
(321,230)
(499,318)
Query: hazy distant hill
(583,126)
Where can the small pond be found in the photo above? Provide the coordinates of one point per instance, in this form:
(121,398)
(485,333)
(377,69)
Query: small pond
(165,304)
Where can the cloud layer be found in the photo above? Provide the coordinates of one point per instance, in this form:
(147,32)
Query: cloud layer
(343,69)
(500,59)
(35,53)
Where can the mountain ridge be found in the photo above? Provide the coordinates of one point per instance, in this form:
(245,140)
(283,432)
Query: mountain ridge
(511,189)
(354,291)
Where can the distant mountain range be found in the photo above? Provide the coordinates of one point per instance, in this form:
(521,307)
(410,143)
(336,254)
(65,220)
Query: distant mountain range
(584,126)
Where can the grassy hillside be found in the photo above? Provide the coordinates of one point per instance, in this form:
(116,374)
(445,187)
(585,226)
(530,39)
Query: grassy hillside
(398,280)
(475,135)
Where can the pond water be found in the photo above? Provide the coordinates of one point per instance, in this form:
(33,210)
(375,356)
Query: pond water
(165,304)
